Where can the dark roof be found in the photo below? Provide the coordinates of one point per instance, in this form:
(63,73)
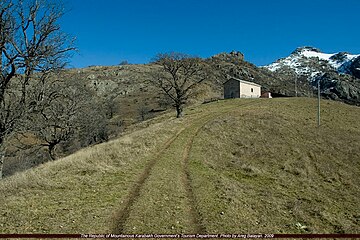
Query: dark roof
(243,81)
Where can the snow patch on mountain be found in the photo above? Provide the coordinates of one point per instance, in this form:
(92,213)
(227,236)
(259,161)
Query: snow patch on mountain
(336,60)
(300,61)
(337,73)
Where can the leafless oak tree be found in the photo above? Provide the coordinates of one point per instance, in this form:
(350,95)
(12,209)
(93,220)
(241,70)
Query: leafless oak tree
(179,76)
(31,42)
(62,111)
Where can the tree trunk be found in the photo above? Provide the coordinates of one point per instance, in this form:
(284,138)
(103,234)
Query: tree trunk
(2,158)
(51,149)
(179,111)
(2,154)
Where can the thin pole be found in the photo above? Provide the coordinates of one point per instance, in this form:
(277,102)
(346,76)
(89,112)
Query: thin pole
(319,103)
(295,87)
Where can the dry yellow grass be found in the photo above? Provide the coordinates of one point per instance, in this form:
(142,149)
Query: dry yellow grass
(80,192)
(230,166)
(270,169)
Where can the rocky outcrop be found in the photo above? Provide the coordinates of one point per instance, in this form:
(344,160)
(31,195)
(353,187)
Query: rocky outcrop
(337,87)
(339,74)
(225,65)
(306,48)
(232,57)
(339,57)
(355,67)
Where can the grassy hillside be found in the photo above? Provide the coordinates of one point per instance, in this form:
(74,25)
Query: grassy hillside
(125,95)
(243,165)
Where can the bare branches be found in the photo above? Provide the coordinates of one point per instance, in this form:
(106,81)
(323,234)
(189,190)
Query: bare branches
(31,45)
(62,112)
(180,74)
(35,42)
(30,41)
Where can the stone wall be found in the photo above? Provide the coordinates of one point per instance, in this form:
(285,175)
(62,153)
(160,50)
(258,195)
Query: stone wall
(232,89)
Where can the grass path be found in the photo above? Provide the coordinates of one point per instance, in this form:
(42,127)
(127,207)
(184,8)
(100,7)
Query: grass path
(162,200)
(194,211)
(247,165)
(124,213)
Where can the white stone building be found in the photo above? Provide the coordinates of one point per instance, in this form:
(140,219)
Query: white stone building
(237,88)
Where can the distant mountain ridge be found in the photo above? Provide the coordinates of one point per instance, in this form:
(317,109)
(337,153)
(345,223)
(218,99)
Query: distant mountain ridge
(300,61)
(338,73)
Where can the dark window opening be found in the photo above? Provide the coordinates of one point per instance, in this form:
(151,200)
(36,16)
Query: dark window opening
(252,90)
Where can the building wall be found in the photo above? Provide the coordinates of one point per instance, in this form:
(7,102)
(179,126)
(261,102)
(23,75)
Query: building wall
(249,91)
(232,89)
(266,95)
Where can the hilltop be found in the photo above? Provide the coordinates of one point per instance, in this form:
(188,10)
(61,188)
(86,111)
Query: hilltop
(242,165)
(338,73)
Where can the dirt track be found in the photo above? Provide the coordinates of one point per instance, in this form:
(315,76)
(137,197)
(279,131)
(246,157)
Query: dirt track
(163,197)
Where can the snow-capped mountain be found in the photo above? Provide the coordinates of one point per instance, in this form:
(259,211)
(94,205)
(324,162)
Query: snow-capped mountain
(311,62)
(338,73)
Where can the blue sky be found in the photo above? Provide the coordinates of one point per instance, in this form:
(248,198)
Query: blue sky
(110,31)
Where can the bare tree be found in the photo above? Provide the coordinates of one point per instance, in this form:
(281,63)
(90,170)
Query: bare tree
(53,108)
(110,103)
(62,111)
(143,112)
(30,43)
(179,76)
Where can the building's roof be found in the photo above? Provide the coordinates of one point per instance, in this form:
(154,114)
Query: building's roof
(243,81)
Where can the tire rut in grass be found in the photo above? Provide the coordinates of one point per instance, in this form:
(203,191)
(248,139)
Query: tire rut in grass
(194,212)
(146,183)
(122,215)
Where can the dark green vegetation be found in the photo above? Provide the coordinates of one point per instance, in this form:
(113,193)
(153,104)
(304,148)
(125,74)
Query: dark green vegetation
(229,166)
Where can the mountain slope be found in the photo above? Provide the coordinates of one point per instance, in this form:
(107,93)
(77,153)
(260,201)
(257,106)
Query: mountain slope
(308,60)
(242,165)
(338,73)
(233,64)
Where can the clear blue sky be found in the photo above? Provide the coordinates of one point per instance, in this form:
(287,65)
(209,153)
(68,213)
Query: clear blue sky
(110,31)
